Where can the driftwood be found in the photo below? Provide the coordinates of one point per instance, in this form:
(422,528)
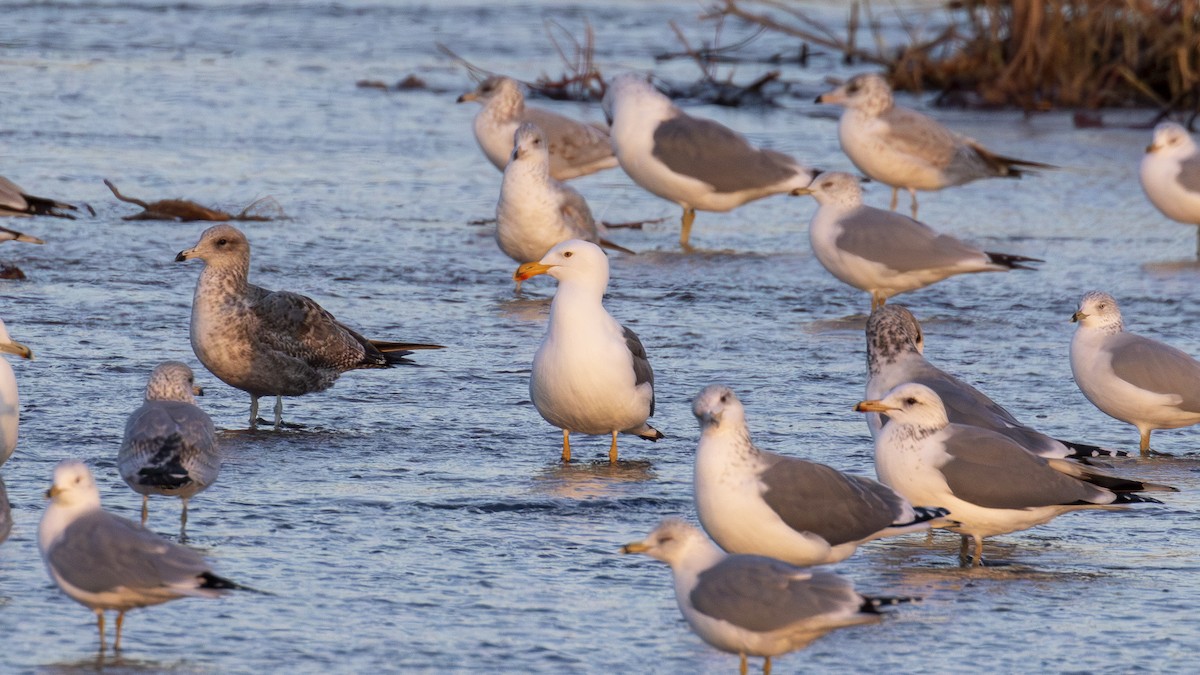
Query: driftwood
(183,210)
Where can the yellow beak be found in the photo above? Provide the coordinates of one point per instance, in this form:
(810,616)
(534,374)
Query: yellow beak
(799,192)
(635,547)
(872,406)
(530,269)
(469,96)
(1151,148)
(14,347)
(53,492)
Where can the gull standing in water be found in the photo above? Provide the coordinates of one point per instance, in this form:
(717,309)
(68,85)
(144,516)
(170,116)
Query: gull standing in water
(576,149)
(895,355)
(105,562)
(170,446)
(535,212)
(752,605)
(903,148)
(1132,378)
(804,513)
(885,253)
(990,484)
(694,162)
(1170,175)
(271,343)
(10,404)
(590,374)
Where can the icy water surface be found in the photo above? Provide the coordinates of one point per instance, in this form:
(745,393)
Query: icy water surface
(422,521)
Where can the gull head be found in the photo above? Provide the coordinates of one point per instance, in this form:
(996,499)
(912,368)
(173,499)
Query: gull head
(73,486)
(671,542)
(494,87)
(717,407)
(1171,140)
(893,330)
(172,381)
(1098,310)
(834,188)
(574,260)
(869,93)
(636,92)
(11,346)
(909,404)
(219,245)
(529,143)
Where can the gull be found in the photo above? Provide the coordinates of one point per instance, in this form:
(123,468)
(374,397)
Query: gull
(535,212)
(752,605)
(885,253)
(271,343)
(1170,175)
(895,355)
(694,162)
(10,404)
(590,374)
(1132,378)
(576,149)
(5,513)
(990,484)
(170,446)
(804,513)
(105,562)
(903,148)
(14,201)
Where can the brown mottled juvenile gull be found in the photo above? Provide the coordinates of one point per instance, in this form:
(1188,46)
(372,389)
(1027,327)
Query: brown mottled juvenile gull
(14,201)
(804,513)
(885,253)
(10,404)
(170,446)
(752,605)
(695,162)
(271,343)
(1144,382)
(106,562)
(1170,175)
(903,148)
(576,149)
(991,484)
(535,212)
(895,355)
(590,374)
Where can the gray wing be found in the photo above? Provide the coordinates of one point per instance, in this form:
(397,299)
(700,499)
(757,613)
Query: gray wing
(717,155)
(988,469)
(901,243)
(1156,367)
(12,196)
(5,513)
(571,142)
(641,365)
(1189,174)
(297,326)
(169,445)
(815,498)
(576,214)
(763,594)
(100,552)
(966,404)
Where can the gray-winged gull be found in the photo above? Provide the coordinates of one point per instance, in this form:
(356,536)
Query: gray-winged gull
(590,374)
(1170,175)
(271,343)
(170,446)
(752,605)
(903,148)
(105,562)
(804,513)
(14,201)
(991,484)
(576,148)
(695,162)
(885,253)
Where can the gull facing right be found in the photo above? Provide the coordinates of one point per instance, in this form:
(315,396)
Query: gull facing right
(885,253)
(1132,378)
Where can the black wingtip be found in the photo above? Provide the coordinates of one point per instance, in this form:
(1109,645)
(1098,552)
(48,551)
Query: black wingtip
(1014,262)
(211,581)
(1085,451)
(871,605)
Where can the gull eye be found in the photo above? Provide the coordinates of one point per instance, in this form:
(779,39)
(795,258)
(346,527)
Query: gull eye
(910,401)
(665,538)
(222,241)
(568,254)
(852,89)
(724,398)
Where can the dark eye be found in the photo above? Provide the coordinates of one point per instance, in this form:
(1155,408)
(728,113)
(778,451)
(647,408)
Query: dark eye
(567,254)
(910,401)
(222,241)
(826,185)
(1101,306)
(665,538)
(191,379)
(852,89)
(724,398)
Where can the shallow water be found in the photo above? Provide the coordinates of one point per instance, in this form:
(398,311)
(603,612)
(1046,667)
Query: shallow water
(421,520)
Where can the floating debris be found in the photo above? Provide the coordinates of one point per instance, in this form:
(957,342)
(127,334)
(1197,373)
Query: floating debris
(183,210)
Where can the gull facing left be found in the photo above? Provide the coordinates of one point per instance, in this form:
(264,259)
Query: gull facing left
(885,253)
(1170,175)
(753,501)
(105,562)
(590,374)
(10,403)
(752,605)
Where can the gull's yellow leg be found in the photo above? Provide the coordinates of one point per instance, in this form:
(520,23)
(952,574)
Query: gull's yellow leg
(145,508)
(566,446)
(1145,444)
(120,622)
(895,197)
(685,234)
(743,669)
(877,301)
(612,451)
(978,551)
(962,552)
(913,194)
(767,666)
(100,626)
